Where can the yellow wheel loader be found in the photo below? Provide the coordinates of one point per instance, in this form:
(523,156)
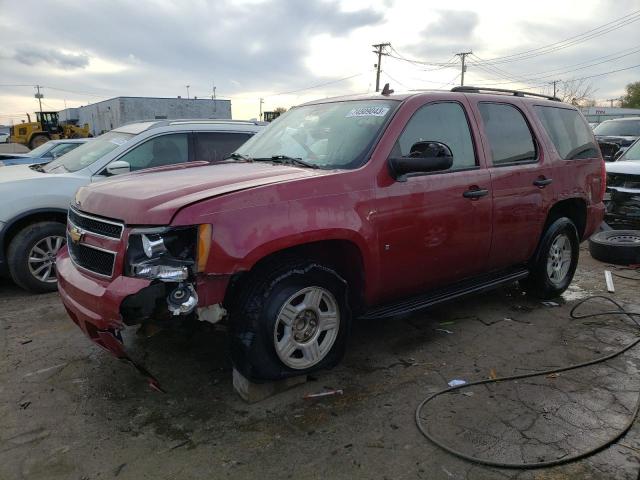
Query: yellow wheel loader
(45,128)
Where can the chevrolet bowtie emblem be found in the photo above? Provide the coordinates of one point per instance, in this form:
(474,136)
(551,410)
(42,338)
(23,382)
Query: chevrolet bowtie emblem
(76,234)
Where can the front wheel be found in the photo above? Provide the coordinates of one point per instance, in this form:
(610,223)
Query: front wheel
(290,321)
(32,256)
(552,269)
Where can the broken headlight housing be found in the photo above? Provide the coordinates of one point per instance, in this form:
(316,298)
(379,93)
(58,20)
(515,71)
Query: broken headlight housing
(168,254)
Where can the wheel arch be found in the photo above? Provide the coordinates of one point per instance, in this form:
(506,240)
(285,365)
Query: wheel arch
(343,255)
(26,218)
(575,209)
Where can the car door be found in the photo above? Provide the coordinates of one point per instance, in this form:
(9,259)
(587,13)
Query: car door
(435,229)
(216,146)
(521,180)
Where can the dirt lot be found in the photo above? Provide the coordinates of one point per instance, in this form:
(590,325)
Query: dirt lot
(70,411)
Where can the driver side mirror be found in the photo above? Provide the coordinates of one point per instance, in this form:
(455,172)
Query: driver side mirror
(118,167)
(424,157)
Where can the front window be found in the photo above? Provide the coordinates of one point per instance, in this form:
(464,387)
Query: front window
(326,135)
(159,151)
(632,153)
(622,128)
(89,152)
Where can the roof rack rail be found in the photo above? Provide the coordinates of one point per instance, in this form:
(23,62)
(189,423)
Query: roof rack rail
(517,93)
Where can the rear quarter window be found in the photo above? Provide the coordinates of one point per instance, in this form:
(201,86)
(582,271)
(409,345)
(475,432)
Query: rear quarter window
(568,132)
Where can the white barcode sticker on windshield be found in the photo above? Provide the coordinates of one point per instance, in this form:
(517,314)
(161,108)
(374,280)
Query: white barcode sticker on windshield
(118,141)
(371,111)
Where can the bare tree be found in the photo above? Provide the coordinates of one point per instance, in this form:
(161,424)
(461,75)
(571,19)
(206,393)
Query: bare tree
(576,92)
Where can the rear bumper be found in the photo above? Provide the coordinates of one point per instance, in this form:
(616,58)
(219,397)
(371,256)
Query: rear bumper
(94,305)
(595,217)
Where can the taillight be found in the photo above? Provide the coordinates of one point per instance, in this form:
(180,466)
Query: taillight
(603,180)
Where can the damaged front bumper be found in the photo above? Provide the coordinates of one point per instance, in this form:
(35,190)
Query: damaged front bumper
(103,308)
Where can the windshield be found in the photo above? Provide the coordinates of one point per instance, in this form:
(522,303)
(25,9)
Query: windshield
(327,135)
(41,150)
(89,152)
(623,128)
(632,153)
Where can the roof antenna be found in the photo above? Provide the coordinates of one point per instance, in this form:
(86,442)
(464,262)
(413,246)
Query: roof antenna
(386,90)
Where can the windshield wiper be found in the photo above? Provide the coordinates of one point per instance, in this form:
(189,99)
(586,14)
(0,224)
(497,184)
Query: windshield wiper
(239,156)
(286,160)
(37,167)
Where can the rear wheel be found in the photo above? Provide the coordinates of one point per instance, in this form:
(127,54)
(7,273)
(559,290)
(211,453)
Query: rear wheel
(32,256)
(552,270)
(38,140)
(290,320)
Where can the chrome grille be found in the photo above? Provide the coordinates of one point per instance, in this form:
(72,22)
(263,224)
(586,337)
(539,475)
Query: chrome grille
(91,258)
(95,225)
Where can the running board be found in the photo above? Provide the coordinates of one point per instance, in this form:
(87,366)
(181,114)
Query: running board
(434,297)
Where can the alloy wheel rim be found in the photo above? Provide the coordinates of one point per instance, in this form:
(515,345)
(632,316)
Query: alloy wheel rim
(559,259)
(42,258)
(306,327)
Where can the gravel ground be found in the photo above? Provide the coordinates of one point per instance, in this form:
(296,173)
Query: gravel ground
(70,411)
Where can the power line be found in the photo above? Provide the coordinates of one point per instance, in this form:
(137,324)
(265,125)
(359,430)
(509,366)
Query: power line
(315,86)
(571,41)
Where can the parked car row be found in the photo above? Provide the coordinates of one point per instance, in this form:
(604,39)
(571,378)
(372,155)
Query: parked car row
(368,206)
(35,198)
(42,154)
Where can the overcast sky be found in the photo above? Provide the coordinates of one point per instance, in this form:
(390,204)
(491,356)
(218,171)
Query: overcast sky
(86,51)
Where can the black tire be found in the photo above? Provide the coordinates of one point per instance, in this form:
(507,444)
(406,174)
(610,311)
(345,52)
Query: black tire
(621,247)
(539,282)
(38,140)
(20,249)
(254,315)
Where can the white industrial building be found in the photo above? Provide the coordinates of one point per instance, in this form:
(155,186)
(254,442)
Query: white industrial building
(109,114)
(600,114)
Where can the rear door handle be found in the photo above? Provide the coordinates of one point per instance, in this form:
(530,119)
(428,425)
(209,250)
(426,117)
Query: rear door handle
(542,182)
(475,193)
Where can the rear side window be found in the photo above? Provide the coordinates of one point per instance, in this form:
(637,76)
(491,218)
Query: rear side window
(568,131)
(509,135)
(216,146)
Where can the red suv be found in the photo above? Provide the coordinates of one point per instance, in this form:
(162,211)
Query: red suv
(368,206)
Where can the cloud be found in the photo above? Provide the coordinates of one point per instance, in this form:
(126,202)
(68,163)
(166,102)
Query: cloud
(190,42)
(33,55)
(451,32)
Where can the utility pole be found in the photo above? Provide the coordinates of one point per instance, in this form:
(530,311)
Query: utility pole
(187,91)
(611,100)
(39,96)
(463,55)
(261,102)
(379,50)
(554,86)
(213,96)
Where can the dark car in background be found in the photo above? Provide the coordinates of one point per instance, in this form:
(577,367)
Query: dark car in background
(42,154)
(623,190)
(615,136)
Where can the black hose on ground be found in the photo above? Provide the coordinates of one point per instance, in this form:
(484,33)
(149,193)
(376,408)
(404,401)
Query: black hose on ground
(547,463)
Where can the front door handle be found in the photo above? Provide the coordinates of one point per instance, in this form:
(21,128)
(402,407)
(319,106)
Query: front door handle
(542,182)
(475,193)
